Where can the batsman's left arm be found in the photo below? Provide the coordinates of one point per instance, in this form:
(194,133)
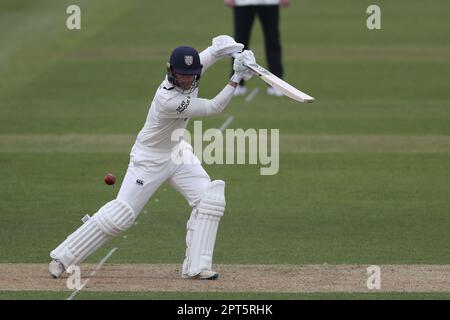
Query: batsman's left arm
(207,59)
(187,107)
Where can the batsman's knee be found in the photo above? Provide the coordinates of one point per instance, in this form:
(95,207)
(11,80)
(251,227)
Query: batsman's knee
(114,217)
(212,201)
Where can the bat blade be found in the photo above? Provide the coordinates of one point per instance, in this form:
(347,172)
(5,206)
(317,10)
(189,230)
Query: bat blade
(280,84)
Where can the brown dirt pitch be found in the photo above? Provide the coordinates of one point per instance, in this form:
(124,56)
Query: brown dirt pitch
(233,278)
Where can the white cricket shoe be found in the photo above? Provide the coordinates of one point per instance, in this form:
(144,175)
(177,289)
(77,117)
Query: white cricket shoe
(203,275)
(274,92)
(240,91)
(56,268)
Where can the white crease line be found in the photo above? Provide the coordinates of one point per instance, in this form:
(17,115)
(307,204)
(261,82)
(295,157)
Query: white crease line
(251,95)
(226,123)
(92,273)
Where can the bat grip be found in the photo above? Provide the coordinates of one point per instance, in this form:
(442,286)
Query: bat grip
(236,54)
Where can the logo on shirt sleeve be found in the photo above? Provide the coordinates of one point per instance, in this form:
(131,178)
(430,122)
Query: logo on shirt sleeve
(184,104)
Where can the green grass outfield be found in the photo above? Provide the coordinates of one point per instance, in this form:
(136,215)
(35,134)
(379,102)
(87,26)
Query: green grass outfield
(364,172)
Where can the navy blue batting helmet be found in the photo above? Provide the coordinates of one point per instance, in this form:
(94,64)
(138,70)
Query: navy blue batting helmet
(185,60)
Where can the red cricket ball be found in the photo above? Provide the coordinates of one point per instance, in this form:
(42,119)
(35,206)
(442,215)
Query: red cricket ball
(110,179)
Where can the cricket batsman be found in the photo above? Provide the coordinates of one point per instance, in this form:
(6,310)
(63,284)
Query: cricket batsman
(151,164)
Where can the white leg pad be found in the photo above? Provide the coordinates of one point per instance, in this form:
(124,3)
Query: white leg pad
(110,220)
(202,229)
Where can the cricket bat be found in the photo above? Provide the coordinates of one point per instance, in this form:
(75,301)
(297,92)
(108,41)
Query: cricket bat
(278,83)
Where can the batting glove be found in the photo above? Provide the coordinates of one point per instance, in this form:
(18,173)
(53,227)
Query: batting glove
(240,65)
(225,46)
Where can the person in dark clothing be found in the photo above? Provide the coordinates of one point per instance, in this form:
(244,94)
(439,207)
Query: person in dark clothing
(268,11)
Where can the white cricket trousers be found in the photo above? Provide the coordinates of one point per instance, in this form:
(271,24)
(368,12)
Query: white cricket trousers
(151,167)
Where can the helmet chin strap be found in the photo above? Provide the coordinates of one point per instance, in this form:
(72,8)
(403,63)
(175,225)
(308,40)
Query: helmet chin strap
(194,85)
